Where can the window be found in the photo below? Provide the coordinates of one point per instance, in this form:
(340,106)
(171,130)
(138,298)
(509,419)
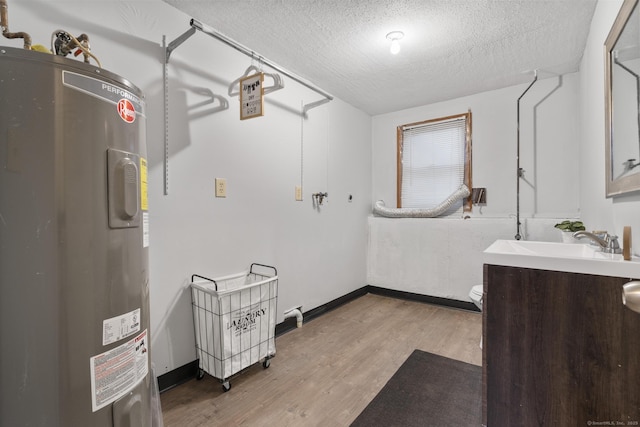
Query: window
(434,160)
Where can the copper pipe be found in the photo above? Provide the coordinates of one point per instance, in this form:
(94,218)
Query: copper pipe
(4,23)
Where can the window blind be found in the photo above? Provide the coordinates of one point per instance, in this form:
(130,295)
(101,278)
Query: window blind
(433,162)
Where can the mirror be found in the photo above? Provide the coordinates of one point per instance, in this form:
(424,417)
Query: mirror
(622,101)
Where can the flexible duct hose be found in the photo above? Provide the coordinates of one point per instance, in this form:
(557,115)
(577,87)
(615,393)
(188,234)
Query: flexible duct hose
(460,193)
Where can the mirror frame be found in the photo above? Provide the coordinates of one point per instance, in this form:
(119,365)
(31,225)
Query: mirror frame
(630,183)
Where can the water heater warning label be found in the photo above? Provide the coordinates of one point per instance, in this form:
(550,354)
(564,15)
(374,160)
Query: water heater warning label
(144,198)
(116,372)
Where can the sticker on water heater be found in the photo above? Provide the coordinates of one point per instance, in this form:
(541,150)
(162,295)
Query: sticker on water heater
(126,110)
(116,372)
(144,193)
(145,229)
(120,327)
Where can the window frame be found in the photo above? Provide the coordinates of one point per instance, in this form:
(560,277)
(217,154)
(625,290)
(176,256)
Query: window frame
(467,203)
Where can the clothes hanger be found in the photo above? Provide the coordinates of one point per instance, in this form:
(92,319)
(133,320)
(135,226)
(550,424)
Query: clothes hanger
(234,87)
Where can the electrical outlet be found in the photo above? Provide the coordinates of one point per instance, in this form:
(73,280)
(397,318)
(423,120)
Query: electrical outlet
(221,187)
(298,193)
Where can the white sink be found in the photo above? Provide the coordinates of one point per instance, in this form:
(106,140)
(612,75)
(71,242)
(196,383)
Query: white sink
(572,258)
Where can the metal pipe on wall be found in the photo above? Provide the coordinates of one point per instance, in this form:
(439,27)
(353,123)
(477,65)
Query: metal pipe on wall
(197,25)
(4,23)
(519,170)
(243,49)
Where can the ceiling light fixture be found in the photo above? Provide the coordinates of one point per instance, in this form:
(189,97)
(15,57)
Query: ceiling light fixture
(395,37)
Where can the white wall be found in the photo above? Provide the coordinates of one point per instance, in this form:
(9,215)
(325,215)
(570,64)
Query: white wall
(608,213)
(443,257)
(320,254)
(440,257)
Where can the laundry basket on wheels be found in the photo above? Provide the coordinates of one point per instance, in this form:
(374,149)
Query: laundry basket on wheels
(234,319)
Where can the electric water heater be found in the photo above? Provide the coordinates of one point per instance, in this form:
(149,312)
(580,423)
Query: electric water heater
(74,302)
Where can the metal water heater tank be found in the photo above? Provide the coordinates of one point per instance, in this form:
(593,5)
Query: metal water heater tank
(74,302)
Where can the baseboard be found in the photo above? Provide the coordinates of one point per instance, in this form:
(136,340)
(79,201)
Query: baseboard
(447,302)
(186,372)
(177,376)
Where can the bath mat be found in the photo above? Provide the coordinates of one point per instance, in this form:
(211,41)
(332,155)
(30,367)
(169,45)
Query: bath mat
(428,390)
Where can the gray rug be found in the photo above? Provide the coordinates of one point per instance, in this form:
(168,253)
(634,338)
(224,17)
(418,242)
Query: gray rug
(428,390)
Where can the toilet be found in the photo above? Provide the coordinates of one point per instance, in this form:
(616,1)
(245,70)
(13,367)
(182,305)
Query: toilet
(476,295)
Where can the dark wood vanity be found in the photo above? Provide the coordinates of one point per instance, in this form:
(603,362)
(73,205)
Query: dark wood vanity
(559,349)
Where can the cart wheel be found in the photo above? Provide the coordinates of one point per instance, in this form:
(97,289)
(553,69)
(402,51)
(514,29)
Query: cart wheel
(200,374)
(266,363)
(226,386)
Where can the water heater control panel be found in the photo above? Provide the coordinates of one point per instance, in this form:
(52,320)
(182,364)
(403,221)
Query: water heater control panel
(124,189)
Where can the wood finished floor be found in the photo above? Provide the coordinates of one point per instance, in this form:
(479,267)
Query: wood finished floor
(325,373)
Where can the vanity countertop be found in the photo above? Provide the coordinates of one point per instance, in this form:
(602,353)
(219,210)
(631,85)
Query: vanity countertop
(568,257)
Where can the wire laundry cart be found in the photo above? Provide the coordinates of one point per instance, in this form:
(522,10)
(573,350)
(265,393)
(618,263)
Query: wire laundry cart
(234,319)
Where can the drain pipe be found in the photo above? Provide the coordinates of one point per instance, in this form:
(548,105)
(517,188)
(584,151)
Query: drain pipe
(520,171)
(294,312)
(4,23)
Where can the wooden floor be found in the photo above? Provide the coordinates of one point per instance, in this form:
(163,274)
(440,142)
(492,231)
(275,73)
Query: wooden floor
(325,373)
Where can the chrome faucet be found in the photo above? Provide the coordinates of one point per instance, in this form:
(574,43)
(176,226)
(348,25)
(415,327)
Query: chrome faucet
(607,243)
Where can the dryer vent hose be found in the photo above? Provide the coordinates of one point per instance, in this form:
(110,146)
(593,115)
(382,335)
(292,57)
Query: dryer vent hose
(381,210)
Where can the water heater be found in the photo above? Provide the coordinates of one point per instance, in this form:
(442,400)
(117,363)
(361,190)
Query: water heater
(74,302)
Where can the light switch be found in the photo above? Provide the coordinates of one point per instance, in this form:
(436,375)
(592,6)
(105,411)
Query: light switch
(221,187)
(298,193)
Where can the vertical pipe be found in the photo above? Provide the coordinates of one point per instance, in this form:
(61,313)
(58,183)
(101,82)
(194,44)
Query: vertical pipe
(4,23)
(295,312)
(519,170)
(302,116)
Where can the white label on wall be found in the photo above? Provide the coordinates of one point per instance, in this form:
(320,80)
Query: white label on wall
(120,327)
(145,229)
(116,372)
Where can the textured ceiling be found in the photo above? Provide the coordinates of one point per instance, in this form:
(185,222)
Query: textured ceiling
(451,48)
